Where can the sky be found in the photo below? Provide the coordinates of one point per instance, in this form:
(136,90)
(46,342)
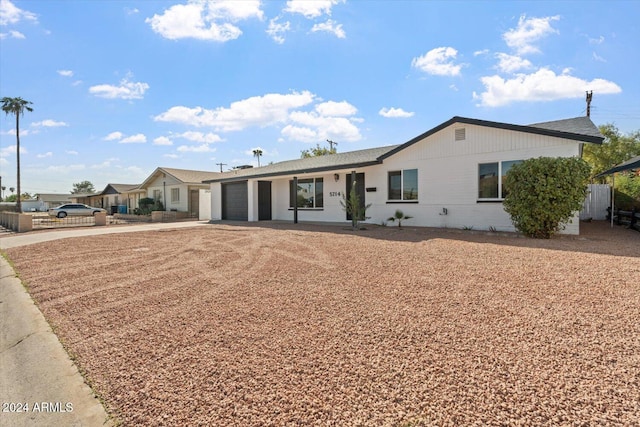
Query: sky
(122,87)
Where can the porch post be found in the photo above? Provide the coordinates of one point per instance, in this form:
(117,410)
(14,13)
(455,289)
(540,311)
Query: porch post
(295,199)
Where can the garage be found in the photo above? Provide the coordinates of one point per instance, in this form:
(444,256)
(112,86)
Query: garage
(234,201)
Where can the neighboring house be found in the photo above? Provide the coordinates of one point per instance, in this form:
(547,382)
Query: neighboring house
(177,189)
(450,176)
(52,200)
(122,198)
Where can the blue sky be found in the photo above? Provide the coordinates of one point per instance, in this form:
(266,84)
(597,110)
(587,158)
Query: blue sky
(122,87)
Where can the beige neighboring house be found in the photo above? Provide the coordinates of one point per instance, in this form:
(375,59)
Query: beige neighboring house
(119,198)
(177,189)
(52,200)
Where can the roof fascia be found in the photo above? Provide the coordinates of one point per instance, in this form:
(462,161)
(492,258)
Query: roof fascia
(294,172)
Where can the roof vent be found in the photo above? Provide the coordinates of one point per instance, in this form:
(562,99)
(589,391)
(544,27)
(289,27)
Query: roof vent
(461,134)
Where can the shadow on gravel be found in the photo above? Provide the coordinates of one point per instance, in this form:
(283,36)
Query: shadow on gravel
(595,237)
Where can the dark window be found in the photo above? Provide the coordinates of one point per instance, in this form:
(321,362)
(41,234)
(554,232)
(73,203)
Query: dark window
(491,179)
(309,193)
(403,185)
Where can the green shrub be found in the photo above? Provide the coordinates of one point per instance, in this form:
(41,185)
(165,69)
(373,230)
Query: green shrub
(544,193)
(627,191)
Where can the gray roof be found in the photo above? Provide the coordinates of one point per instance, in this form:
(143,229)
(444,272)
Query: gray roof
(123,188)
(578,125)
(579,129)
(327,162)
(186,176)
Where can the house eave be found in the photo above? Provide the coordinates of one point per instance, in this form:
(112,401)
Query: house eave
(293,172)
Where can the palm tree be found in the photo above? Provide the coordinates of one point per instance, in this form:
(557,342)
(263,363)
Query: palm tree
(16,106)
(257,153)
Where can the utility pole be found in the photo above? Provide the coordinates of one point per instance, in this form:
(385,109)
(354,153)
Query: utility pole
(331,144)
(221,165)
(589,97)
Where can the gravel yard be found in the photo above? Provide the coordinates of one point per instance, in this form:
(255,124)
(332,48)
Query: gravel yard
(279,324)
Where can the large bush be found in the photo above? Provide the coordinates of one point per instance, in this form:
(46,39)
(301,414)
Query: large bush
(544,193)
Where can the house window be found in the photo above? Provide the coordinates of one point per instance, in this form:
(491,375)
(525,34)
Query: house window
(309,193)
(403,185)
(157,194)
(491,179)
(175,195)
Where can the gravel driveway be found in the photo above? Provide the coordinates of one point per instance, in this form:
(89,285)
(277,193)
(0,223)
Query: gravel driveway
(317,325)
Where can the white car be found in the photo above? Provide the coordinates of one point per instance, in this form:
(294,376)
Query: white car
(74,209)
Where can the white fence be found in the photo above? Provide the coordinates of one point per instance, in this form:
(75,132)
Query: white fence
(596,203)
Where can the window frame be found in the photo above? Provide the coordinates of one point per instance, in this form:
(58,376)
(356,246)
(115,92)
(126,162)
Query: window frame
(175,199)
(401,198)
(317,184)
(500,191)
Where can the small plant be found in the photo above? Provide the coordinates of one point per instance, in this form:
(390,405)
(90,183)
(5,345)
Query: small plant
(352,206)
(468,227)
(492,229)
(399,216)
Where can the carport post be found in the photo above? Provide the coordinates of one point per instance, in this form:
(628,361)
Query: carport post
(613,196)
(295,199)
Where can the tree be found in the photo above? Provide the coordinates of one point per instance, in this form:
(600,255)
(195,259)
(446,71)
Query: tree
(16,106)
(544,193)
(84,187)
(317,151)
(615,149)
(257,153)
(3,188)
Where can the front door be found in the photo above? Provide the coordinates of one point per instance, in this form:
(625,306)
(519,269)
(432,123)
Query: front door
(359,189)
(264,200)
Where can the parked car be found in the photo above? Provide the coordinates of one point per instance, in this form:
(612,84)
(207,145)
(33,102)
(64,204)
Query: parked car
(74,209)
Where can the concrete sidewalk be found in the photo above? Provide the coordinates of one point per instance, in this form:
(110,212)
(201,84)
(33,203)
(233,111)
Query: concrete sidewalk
(39,384)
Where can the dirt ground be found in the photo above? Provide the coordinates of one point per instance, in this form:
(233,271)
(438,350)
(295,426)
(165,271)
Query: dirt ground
(282,324)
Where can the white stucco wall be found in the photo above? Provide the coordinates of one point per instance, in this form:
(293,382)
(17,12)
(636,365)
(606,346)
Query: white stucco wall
(447,179)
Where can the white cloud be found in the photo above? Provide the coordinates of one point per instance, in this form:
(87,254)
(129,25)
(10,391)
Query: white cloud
(438,61)
(599,40)
(394,113)
(205,20)
(49,123)
(171,156)
(23,132)
(12,34)
(130,11)
(65,73)
(598,57)
(114,136)
(332,108)
(44,155)
(65,169)
(11,150)
(481,52)
(312,127)
(138,138)
(126,90)
(255,111)
(542,85)
(311,8)
(72,152)
(277,30)
(204,148)
(330,26)
(162,140)
(510,63)
(522,38)
(207,138)
(11,14)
